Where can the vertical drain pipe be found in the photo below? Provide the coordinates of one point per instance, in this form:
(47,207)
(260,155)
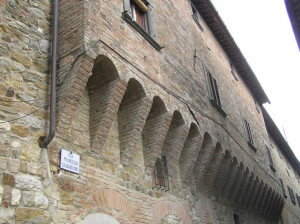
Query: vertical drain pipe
(51,134)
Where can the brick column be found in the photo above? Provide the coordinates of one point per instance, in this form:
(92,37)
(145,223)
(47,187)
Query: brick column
(70,94)
(233,169)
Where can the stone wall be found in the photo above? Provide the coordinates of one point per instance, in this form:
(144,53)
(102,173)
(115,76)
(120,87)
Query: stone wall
(24,57)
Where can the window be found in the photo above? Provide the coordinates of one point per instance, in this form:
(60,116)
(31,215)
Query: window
(236,219)
(139,14)
(249,134)
(232,71)
(139,11)
(213,89)
(214,93)
(292,196)
(160,175)
(270,159)
(196,16)
(298,199)
(256,105)
(282,187)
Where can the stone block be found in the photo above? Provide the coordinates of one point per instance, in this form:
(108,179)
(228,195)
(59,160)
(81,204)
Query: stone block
(66,197)
(6,214)
(40,200)
(15,197)
(30,153)
(24,214)
(14,166)
(20,130)
(3,161)
(1,193)
(27,182)
(8,179)
(21,58)
(28,199)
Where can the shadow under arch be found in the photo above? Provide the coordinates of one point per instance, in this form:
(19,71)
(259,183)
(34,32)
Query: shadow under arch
(132,115)
(104,90)
(154,132)
(189,153)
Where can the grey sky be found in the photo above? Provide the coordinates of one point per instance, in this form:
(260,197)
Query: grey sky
(262,30)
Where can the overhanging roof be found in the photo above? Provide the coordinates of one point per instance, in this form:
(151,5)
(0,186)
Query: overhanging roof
(293,9)
(217,26)
(280,141)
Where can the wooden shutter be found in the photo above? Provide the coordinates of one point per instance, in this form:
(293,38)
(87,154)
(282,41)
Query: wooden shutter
(248,132)
(269,156)
(282,187)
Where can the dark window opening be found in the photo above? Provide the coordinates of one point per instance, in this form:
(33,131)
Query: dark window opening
(232,71)
(139,15)
(298,199)
(248,133)
(282,187)
(270,159)
(195,15)
(256,105)
(214,93)
(236,219)
(160,175)
(292,196)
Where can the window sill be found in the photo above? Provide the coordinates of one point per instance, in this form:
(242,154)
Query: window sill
(272,168)
(218,107)
(141,31)
(252,146)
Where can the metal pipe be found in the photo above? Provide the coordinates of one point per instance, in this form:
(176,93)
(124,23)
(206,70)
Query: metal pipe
(51,134)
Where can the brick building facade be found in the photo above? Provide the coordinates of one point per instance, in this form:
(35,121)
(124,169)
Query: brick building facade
(160,105)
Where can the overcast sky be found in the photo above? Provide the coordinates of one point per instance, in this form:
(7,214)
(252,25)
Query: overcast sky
(262,30)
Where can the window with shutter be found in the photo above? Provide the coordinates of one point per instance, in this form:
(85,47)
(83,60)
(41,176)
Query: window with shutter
(292,196)
(139,14)
(214,92)
(249,134)
(282,187)
(232,71)
(270,159)
(196,16)
(298,199)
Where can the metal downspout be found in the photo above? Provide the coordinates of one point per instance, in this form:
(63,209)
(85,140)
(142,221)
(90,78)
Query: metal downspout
(51,134)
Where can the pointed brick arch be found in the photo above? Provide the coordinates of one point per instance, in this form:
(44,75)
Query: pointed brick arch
(105,91)
(109,198)
(154,133)
(162,209)
(203,159)
(132,115)
(189,153)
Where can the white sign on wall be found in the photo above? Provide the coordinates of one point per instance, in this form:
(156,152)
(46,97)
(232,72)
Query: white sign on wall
(69,161)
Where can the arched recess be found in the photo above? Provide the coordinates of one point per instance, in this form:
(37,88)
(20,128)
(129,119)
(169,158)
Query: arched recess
(97,106)
(132,114)
(174,143)
(211,170)
(154,133)
(105,93)
(189,153)
(203,159)
(222,173)
(99,218)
